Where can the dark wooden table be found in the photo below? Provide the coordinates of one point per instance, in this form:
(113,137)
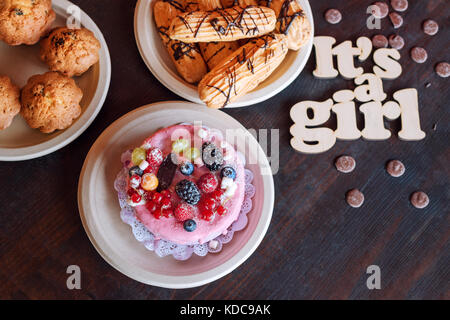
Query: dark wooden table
(316,246)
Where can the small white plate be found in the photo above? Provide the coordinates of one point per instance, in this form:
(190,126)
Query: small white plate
(19,141)
(113,239)
(158,61)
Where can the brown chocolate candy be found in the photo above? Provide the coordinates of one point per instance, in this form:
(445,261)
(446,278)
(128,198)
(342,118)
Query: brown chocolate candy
(345,164)
(380,10)
(333,16)
(354,198)
(399,5)
(443,69)
(396,19)
(379,41)
(396,41)
(419,199)
(395,168)
(430,27)
(419,54)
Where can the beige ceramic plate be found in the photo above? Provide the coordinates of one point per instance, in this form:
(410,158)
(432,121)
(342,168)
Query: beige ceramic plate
(158,61)
(113,239)
(19,141)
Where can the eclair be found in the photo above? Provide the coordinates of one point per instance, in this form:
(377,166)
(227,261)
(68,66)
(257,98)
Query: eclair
(291,21)
(223,24)
(243,70)
(214,52)
(242,3)
(186,56)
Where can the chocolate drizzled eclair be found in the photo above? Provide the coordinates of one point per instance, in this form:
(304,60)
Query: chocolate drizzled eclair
(223,24)
(186,56)
(214,52)
(243,70)
(291,21)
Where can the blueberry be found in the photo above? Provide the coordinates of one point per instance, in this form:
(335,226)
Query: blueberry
(187,168)
(188,191)
(135,170)
(228,172)
(190,225)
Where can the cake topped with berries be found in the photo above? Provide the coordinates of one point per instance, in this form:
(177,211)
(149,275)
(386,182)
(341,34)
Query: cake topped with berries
(186,184)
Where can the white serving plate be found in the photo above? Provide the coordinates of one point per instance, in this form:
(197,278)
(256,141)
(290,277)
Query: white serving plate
(113,239)
(158,61)
(19,141)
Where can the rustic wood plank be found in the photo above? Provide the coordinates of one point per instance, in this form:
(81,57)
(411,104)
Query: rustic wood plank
(316,246)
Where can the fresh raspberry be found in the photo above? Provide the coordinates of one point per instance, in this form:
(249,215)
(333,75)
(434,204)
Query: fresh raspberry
(208,183)
(184,212)
(155,157)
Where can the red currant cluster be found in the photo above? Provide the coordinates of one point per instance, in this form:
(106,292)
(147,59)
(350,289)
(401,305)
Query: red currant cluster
(159,204)
(154,158)
(211,204)
(134,195)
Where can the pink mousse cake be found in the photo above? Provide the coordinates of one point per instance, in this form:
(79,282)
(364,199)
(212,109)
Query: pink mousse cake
(186,184)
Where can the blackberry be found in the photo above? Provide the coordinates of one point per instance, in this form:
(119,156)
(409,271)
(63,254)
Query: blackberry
(188,191)
(212,156)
